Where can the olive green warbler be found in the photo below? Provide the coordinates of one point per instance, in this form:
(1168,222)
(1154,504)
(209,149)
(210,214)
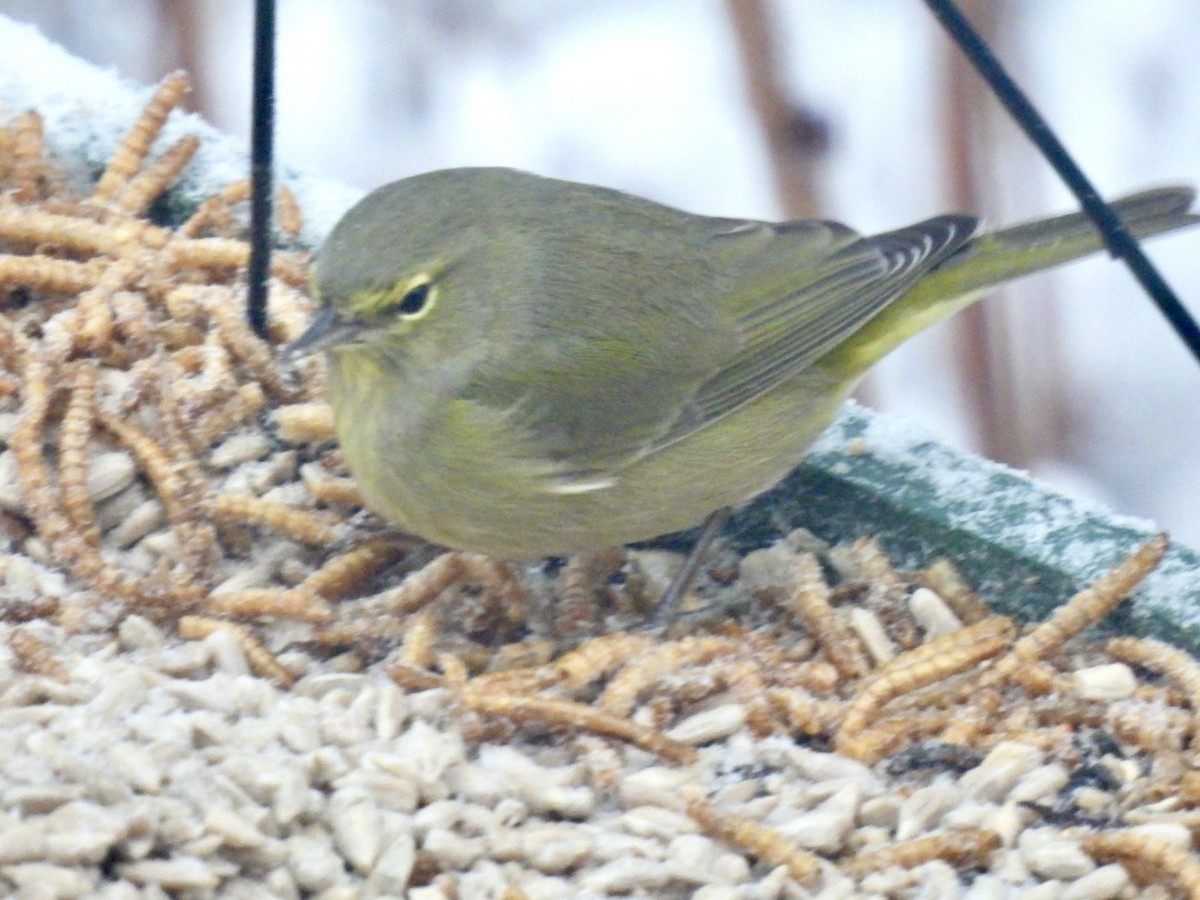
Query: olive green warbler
(523,367)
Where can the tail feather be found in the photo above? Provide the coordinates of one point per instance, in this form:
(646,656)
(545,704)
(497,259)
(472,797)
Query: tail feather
(999,256)
(1011,253)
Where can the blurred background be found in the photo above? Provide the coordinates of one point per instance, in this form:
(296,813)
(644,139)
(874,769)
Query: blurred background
(857,111)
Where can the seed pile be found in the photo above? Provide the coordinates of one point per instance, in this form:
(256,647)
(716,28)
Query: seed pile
(218,677)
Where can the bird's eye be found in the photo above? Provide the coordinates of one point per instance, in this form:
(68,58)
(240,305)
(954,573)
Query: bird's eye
(414,301)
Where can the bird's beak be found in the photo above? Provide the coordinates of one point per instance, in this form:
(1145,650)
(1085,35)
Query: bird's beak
(325,331)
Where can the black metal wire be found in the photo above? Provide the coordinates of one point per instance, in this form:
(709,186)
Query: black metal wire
(1117,238)
(262,137)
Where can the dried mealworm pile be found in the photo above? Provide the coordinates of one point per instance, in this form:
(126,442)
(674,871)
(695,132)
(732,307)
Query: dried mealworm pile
(217,677)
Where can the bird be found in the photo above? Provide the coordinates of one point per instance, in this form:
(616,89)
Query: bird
(523,367)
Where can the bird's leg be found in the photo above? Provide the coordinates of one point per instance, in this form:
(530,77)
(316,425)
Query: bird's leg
(581,583)
(668,604)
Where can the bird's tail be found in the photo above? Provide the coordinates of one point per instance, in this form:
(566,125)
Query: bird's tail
(999,256)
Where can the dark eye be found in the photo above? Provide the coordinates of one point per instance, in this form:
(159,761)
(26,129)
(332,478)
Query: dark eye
(414,301)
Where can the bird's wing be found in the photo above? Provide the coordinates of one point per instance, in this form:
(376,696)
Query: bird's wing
(790,308)
(691,341)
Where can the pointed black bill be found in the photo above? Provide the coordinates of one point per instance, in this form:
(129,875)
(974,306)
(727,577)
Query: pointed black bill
(325,331)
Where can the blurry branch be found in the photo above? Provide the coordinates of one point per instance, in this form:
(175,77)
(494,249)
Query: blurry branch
(1121,244)
(179,36)
(1017,417)
(796,137)
(981,336)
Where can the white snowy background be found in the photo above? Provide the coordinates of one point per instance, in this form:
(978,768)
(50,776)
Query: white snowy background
(649,96)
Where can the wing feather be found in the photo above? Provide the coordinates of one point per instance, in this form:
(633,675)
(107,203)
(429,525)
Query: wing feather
(787,330)
(752,305)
